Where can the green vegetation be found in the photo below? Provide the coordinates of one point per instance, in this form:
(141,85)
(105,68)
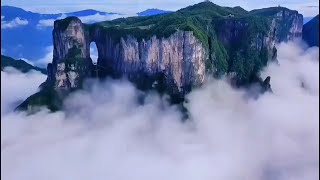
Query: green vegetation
(48,96)
(232,37)
(270,11)
(45,98)
(75,62)
(64,23)
(195,18)
(19,65)
(238,9)
(245,33)
(203,20)
(209,23)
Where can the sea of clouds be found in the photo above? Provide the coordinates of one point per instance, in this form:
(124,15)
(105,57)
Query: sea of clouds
(106,133)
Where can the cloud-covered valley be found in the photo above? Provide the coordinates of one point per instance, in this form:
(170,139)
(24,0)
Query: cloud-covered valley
(105,132)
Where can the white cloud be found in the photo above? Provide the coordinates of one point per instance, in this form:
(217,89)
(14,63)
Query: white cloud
(85,19)
(105,133)
(2,17)
(18,86)
(43,23)
(98,17)
(47,58)
(13,23)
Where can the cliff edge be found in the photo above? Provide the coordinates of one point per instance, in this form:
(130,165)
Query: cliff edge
(175,51)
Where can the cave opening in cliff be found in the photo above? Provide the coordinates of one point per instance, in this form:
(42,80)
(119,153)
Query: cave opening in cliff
(93,52)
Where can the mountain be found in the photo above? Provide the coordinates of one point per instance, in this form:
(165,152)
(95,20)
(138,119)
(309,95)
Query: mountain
(10,13)
(20,65)
(151,12)
(171,53)
(28,35)
(89,12)
(310,32)
(17,22)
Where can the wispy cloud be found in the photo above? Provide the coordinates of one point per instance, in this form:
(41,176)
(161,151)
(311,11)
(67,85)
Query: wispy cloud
(312,6)
(43,23)
(98,17)
(18,87)
(85,19)
(13,23)
(47,58)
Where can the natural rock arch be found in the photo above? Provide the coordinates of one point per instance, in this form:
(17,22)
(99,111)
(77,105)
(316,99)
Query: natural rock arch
(93,52)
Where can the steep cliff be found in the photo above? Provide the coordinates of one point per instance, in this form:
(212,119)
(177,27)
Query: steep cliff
(71,58)
(179,59)
(174,52)
(287,24)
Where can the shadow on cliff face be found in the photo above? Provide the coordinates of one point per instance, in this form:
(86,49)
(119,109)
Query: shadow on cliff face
(105,132)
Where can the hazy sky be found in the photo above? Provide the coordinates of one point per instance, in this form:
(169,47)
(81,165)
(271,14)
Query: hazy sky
(307,7)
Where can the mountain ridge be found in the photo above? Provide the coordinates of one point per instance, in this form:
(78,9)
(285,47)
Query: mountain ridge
(20,65)
(152,12)
(34,46)
(177,50)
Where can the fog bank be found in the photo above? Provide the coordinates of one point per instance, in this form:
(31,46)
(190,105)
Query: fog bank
(105,133)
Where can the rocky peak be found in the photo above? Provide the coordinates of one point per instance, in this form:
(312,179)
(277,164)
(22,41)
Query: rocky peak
(69,33)
(242,46)
(71,55)
(173,52)
(287,24)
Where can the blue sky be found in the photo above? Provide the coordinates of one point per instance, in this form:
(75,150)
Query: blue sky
(306,7)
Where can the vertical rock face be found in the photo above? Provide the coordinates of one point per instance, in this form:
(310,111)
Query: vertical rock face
(251,41)
(288,25)
(71,55)
(69,33)
(237,34)
(179,58)
(173,52)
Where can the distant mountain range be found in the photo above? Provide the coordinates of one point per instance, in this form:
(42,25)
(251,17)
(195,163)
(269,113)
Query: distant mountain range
(10,12)
(28,35)
(20,65)
(151,12)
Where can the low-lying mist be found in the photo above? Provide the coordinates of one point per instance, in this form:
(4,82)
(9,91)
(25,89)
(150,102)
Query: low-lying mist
(105,133)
